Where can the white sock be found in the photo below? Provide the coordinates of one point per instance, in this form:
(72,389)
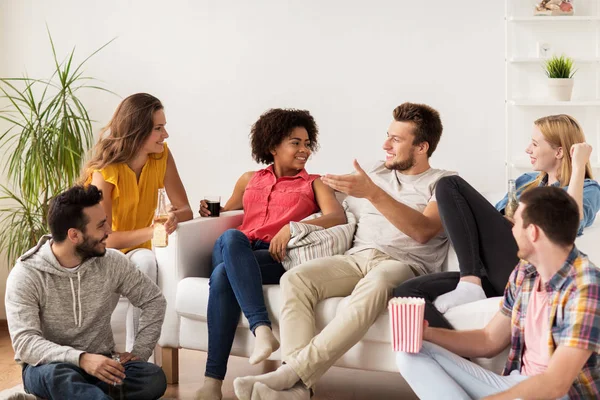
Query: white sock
(263,392)
(211,390)
(281,379)
(465,292)
(265,343)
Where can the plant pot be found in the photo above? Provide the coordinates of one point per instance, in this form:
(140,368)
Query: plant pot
(560,89)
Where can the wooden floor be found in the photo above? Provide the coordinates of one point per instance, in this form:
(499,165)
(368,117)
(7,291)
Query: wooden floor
(10,371)
(337,384)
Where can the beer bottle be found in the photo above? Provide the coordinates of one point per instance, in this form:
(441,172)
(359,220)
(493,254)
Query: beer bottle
(513,203)
(160,238)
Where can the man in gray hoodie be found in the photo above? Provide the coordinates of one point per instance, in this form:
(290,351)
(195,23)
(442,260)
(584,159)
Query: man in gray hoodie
(59,301)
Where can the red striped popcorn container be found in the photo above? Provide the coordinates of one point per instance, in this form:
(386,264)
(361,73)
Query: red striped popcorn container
(406,323)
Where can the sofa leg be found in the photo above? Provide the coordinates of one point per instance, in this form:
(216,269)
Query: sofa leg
(170,364)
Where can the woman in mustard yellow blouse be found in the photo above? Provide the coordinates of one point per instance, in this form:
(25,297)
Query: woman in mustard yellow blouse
(129,164)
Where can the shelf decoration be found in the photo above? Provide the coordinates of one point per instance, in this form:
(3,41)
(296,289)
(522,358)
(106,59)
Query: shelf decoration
(554,7)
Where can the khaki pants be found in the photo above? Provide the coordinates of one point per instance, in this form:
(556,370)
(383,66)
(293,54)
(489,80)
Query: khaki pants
(368,277)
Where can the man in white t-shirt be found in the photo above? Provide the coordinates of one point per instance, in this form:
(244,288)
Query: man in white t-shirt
(399,236)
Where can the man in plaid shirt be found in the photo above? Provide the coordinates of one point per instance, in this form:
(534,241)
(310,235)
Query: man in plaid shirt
(550,317)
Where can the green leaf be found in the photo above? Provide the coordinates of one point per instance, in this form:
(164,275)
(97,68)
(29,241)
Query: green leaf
(49,133)
(559,67)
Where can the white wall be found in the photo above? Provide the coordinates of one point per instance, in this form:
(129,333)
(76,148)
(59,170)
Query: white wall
(218,65)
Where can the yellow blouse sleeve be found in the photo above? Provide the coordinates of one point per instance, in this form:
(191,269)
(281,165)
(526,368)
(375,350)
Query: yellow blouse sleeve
(110,174)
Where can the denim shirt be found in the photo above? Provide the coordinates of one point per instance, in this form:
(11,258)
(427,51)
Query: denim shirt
(591,197)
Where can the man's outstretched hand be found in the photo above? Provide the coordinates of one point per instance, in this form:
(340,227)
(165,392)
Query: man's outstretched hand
(357,185)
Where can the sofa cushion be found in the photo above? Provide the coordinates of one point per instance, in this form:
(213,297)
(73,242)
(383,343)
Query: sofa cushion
(192,302)
(473,315)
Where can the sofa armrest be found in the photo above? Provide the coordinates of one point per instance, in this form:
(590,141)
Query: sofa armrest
(189,254)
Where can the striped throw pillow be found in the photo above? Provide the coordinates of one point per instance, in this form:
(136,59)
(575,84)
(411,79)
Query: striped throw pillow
(311,241)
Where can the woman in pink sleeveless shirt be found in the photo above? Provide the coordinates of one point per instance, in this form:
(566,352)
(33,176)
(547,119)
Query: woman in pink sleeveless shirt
(246,258)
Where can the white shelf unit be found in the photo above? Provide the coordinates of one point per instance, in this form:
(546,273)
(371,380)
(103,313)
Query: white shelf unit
(563,18)
(576,36)
(540,61)
(552,103)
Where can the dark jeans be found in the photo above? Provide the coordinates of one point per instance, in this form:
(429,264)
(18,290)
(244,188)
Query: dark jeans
(143,381)
(482,239)
(240,268)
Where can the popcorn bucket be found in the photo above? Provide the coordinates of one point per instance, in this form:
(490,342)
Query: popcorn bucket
(406,323)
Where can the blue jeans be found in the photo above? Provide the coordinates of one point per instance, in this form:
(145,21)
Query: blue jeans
(436,373)
(240,268)
(143,381)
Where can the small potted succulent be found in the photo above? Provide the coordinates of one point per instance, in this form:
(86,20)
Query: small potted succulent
(559,70)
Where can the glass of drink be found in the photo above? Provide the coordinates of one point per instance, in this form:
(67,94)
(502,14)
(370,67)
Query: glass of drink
(115,391)
(213,203)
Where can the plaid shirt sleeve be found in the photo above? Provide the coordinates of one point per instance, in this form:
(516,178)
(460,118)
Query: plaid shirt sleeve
(581,324)
(508,300)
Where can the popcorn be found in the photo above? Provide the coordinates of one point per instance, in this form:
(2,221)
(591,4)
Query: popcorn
(406,323)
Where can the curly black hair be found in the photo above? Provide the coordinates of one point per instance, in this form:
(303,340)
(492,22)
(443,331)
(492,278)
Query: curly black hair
(66,210)
(274,126)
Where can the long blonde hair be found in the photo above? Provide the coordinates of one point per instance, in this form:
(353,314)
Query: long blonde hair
(125,134)
(561,131)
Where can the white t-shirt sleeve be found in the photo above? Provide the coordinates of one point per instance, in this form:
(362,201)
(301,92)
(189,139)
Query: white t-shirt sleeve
(436,178)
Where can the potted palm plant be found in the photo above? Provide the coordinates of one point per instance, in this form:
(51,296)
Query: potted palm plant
(49,132)
(559,70)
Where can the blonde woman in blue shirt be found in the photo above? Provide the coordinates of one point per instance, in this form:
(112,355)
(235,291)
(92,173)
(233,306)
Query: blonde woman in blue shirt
(481,233)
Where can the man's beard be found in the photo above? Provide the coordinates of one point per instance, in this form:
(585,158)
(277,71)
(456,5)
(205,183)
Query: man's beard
(87,249)
(403,165)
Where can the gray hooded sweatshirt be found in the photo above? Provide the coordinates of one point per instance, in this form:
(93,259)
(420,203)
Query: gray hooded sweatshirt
(55,315)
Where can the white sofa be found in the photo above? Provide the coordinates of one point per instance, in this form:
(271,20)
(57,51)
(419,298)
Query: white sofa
(118,323)
(184,267)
